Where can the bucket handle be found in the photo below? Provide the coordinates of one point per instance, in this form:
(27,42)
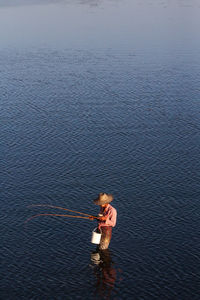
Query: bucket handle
(96,229)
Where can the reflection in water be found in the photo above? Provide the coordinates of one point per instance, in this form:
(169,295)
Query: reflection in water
(105,273)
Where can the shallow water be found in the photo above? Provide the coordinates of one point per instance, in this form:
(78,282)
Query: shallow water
(120,115)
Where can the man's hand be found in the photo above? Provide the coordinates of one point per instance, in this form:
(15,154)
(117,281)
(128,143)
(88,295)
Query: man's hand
(102,218)
(91,218)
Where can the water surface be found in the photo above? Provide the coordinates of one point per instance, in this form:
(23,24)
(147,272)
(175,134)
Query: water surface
(96,98)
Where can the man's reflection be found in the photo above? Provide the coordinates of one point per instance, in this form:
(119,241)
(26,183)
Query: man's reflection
(104,271)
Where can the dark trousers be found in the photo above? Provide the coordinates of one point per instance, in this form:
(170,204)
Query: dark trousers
(106,234)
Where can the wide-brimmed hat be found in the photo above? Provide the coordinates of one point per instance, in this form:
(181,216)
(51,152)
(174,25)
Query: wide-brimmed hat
(103,198)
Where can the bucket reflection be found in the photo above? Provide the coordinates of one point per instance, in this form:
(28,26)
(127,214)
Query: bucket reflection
(105,273)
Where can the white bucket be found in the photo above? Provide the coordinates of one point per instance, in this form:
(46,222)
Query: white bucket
(96,237)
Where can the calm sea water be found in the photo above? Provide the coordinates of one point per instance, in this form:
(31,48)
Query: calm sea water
(100,97)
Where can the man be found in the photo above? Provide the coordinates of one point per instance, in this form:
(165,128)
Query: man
(106,220)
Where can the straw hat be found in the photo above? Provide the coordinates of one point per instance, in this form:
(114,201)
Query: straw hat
(103,199)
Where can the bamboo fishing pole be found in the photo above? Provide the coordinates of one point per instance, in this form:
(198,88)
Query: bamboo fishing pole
(56,215)
(58,207)
(89,217)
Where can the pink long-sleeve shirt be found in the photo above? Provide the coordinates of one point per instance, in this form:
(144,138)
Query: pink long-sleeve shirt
(112,216)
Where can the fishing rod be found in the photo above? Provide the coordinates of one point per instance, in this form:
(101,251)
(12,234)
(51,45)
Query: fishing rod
(89,217)
(58,207)
(56,215)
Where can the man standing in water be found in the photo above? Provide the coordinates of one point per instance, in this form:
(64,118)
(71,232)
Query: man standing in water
(106,220)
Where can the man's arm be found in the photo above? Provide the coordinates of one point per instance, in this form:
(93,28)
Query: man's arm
(111,217)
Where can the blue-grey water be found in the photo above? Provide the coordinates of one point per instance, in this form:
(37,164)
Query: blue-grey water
(100,96)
